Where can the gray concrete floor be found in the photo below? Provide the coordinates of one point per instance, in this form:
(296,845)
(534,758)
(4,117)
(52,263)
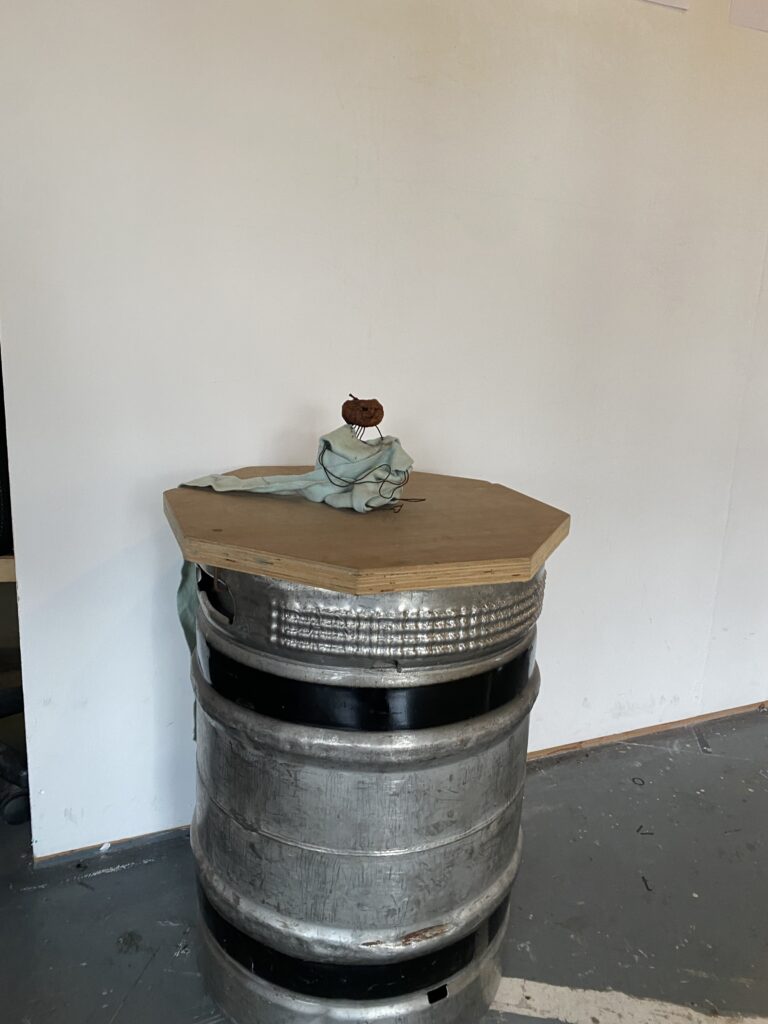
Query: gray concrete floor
(644,871)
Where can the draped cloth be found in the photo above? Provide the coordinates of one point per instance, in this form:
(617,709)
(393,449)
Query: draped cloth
(348,473)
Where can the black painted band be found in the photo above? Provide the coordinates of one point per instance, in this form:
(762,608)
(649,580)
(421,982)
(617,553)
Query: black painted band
(364,708)
(350,981)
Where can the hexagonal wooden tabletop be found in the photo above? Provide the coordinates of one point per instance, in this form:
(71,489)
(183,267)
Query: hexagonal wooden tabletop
(465,532)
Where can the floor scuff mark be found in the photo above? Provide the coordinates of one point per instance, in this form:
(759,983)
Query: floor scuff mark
(125,998)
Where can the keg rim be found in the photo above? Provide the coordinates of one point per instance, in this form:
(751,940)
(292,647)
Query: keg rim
(365,675)
(310,975)
(369,749)
(483,970)
(360,708)
(369,671)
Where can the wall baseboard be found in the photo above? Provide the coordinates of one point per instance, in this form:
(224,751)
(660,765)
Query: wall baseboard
(648,730)
(120,846)
(116,847)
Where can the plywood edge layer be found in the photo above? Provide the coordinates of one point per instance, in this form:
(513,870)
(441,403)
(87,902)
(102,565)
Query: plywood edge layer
(347,580)
(647,730)
(7,569)
(369,580)
(550,545)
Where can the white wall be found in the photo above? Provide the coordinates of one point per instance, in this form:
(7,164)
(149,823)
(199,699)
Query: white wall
(535,229)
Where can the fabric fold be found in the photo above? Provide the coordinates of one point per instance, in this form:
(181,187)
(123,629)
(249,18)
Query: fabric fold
(348,473)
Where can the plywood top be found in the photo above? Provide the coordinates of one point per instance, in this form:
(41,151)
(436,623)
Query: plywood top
(465,532)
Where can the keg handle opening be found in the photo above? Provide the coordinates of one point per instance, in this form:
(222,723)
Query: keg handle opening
(217,595)
(437,994)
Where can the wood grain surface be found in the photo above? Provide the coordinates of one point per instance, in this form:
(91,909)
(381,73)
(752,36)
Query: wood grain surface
(464,532)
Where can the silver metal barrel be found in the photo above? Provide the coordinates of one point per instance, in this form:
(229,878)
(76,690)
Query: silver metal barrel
(360,773)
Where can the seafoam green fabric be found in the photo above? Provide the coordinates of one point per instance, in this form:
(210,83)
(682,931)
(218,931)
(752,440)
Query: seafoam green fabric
(348,473)
(186,602)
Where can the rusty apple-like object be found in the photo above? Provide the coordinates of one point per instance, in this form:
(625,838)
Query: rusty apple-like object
(362,412)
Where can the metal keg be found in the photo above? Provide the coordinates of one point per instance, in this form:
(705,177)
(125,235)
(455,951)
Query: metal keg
(360,776)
